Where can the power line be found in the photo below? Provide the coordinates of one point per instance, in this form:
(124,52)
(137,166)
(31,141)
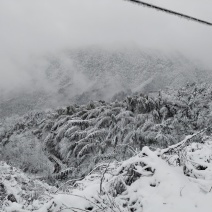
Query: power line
(169,11)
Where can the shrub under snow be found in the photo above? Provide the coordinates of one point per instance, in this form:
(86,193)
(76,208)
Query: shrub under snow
(175,179)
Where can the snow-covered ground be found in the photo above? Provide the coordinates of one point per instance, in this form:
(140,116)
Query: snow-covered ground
(177,179)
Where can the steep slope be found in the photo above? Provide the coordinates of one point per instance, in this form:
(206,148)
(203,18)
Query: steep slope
(177,179)
(74,139)
(80,75)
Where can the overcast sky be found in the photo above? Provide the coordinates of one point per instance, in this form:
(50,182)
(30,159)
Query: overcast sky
(30,29)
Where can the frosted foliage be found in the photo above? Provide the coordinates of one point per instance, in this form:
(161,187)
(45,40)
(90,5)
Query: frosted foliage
(177,178)
(80,136)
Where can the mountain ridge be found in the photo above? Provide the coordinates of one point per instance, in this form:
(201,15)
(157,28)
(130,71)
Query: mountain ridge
(80,75)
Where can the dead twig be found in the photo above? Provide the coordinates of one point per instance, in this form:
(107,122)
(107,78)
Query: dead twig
(77,179)
(181,190)
(102,178)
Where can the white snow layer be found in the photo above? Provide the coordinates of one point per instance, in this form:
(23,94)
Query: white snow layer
(148,182)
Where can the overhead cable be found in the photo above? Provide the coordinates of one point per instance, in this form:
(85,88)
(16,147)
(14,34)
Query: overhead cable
(169,11)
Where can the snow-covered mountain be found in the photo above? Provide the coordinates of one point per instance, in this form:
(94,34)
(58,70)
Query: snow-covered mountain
(80,75)
(70,141)
(142,153)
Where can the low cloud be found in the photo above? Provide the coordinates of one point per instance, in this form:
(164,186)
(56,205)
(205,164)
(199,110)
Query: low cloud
(33,30)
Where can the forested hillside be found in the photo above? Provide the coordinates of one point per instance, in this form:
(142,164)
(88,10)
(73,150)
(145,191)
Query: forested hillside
(84,74)
(70,141)
(105,106)
(177,178)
